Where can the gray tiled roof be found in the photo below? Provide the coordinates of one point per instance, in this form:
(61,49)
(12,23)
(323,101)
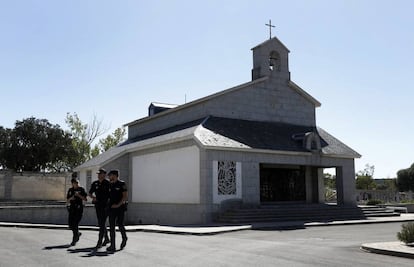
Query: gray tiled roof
(231,134)
(335,147)
(172,129)
(225,132)
(254,134)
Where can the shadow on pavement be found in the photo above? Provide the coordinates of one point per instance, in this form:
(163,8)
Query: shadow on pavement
(56,247)
(91,252)
(95,253)
(80,250)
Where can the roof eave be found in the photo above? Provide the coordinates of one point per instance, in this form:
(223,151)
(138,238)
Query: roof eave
(279,152)
(140,145)
(347,156)
(304,94)
(284,46)
(256,150)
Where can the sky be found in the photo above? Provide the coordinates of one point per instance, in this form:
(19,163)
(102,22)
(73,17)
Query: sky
(111,59)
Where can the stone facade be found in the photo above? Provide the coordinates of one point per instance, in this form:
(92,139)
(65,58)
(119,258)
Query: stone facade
(229,158)
(278,102)
(34,186)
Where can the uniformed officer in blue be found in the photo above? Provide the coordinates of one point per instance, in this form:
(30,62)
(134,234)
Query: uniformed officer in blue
(99,192)
(75,197)
(118,196)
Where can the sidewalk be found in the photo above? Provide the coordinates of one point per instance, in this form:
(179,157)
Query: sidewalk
(387,248)
(220,228)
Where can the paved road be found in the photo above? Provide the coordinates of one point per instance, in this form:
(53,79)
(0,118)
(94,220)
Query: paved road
(313,246)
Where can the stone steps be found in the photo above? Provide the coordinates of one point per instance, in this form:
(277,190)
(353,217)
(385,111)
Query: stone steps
(302,212)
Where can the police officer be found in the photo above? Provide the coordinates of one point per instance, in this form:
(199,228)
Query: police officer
(118,196)
(75,197)
(99,192)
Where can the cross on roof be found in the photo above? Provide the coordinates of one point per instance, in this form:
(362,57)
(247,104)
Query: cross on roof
(270,28)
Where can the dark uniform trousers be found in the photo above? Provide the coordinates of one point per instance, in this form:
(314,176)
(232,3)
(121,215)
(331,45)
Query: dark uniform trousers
(75,215)
(117,216)
(101,215)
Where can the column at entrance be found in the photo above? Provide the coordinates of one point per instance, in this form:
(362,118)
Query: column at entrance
(314,185)
(345,185)
(321,185)
(339,186)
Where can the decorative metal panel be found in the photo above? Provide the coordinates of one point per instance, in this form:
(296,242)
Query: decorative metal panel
(226,178)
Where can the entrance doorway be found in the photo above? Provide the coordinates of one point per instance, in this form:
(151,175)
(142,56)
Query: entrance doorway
(282,183)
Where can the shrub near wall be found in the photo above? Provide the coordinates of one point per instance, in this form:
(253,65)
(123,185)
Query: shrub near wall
(407,233)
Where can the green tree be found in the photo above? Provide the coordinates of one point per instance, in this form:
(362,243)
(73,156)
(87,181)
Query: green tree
(112,139)
(405,179)
(84,135)
(367,171)
(4,144)
(34,145)
(330,180)
(365,178)
(388,184)
(330,187)
(37,145)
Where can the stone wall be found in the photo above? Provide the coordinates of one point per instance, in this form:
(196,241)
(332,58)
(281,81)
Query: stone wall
(386,196)
(45,214)
(29,186)
(269,100)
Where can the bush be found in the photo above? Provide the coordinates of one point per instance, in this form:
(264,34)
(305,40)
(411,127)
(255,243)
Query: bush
(406,201)
(407,233)
(374,202)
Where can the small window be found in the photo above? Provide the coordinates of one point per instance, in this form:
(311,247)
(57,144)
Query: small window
(312,142)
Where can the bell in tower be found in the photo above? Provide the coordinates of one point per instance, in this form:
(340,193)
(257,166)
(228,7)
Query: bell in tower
(274,61)
(270,58)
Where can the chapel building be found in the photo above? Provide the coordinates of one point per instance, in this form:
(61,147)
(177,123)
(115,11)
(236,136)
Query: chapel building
(249,145)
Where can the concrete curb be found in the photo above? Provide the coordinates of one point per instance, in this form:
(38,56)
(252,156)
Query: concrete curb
(397,249)
(299,224)
(201,230)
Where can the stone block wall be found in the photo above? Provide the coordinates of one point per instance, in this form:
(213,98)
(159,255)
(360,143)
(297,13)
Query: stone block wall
(33,186)
(386,196)
(266,100)
(159,213)
(48,214)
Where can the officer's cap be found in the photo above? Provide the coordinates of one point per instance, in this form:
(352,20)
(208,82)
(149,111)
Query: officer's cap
(101,170)
(114,172)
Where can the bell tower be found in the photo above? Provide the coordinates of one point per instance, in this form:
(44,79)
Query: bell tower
(270,58)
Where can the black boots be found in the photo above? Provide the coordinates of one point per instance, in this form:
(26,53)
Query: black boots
(100,244)
(75,239)
(123,243)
